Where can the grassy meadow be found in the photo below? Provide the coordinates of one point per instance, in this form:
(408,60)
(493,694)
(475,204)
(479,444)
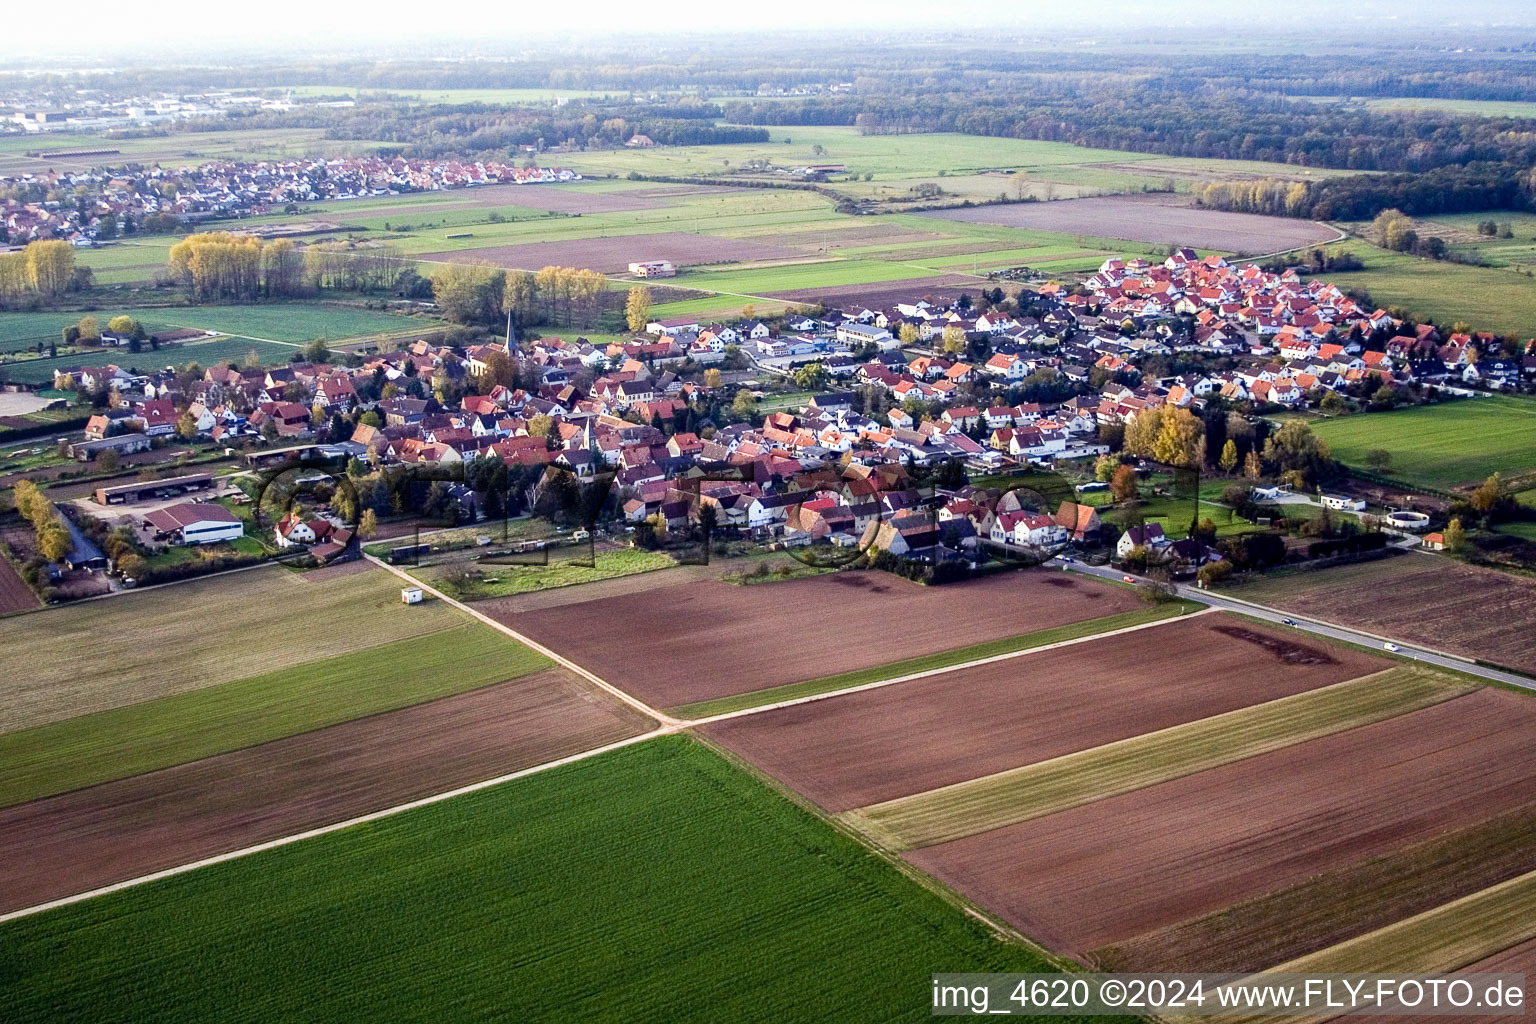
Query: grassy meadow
(184,727)
(220,630)
(1443,446)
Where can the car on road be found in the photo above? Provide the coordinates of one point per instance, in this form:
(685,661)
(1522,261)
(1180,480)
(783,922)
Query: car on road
(1128,579)
(1287,622)
(1391,646)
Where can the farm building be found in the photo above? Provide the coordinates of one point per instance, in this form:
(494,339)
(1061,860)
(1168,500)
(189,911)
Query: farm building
(195,523)
(653,268)
(83,552)
(149,490)
(122,444)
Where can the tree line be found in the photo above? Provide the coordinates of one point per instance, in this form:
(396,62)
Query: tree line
(44,269)
(218,266)
(468,293)
(1451,189)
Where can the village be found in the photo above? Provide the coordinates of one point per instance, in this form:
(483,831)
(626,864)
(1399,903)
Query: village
(913,420)
(87,207)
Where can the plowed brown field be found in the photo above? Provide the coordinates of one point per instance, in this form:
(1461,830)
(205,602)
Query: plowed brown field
(1119,867)
(911,737)
(697,641)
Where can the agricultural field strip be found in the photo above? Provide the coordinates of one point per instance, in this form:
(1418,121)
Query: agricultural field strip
(274,844)
(993,659)
(1032,791)
(667,725)
(243,631)
(1444,939)
(1338,904)
(1472,665)
(139,738)
(949,660)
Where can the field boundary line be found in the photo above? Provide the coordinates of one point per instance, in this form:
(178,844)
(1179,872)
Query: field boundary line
(362,819)
(560,659)
(991,659)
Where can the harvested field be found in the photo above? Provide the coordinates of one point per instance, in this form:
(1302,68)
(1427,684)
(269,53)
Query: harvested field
(224,628)
(93,837)
(1338,905)
(1159,219)
(1423,599)
(614,255)
(15,595)
(938,288)
(698,641)
(1047,787)
(912,737)
(1107,871)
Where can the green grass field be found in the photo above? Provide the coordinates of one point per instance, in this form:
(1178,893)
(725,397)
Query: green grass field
(656,883)
(929,662)
(292,323)
(184,727)
(1443,446)
(524,579)
(220,630)
(1019,794)
(205,353)
(1488,298)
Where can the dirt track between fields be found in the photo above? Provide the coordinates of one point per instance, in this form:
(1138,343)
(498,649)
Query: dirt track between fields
(93,837)
(690,642)
(894,741)
(1119,867)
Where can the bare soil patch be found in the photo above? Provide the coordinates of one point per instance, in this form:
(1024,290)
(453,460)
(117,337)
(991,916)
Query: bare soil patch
(15,595)
(94,837)
(689,642)
(911,737)
(614,255)
(1159,219)
(1424,599)
(1107,871)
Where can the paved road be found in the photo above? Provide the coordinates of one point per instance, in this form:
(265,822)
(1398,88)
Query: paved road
(1331,630)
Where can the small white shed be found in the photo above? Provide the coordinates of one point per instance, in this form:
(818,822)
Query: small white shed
(410,595)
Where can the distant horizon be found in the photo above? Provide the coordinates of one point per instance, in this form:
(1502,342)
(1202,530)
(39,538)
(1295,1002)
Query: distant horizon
(390,29)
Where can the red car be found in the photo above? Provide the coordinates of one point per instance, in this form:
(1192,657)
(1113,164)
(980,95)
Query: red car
(1129,579)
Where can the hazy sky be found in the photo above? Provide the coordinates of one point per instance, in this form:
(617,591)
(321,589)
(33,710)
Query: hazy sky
(43,29)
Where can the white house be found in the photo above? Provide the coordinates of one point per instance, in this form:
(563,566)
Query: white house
(1149,536)
(195,523)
